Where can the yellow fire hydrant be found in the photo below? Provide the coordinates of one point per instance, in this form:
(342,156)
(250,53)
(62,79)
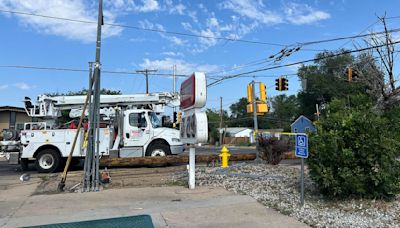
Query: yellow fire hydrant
(224,157)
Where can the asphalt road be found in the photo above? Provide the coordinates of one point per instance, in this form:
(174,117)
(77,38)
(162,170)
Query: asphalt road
(217,149)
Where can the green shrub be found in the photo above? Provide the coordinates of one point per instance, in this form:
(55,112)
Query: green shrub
(354,153)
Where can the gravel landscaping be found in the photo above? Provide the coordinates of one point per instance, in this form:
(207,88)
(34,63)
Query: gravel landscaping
(278,187)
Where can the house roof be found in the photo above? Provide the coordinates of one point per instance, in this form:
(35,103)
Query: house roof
(11,108)
(301,118)
(235,130)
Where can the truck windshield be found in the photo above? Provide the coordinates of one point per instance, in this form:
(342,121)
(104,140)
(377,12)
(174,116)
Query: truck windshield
(155,122)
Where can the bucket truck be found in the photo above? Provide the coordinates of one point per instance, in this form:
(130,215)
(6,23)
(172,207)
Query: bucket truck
(129,127)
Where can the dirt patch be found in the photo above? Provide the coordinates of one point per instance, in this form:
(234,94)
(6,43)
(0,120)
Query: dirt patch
(120,178)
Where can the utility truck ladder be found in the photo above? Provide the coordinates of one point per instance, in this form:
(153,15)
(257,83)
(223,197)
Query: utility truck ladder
(51,107)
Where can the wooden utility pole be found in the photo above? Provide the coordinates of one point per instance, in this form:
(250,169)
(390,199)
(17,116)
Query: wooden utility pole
(146,73)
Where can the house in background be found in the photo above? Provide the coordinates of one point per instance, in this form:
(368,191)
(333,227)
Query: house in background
(302,125)
(13,117)
(243,135)
(237,135)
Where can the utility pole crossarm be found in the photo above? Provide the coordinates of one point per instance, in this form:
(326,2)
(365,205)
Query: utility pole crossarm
(146,73)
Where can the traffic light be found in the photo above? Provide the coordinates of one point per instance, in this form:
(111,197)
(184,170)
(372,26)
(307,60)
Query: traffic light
(179,117)
(174,118)
(250,93)
(349,74)
(278,84)
(263,92)
(285,84)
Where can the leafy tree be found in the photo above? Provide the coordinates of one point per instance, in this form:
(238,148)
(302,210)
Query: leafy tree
(325,80)
(355,150)
(213,117)
(239,115)
(84,92)
(284,110)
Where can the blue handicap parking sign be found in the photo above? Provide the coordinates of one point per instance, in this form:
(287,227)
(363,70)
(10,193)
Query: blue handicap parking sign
(301,146)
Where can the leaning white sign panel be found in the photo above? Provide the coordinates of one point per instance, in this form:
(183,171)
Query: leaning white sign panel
(194,127)
(194,91)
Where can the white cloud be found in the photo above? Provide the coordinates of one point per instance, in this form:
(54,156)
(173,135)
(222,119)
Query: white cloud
(179,9)
(252,9)
(148,25)
(300,14)
(171,53)
(193,15)
(23,86)
(182,66)
(148,6)
(212,22)
(3,87)
(294,13)
(76,9)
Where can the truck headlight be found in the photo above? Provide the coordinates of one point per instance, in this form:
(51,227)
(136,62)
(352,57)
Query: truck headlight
(176,140)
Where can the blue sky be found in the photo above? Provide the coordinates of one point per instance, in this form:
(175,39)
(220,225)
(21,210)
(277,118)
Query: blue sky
(43,42)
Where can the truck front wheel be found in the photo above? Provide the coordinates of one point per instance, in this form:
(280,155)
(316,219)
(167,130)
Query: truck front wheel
(48,161)
(158,149)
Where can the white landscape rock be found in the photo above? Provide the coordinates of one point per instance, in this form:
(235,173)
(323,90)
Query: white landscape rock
(278,187)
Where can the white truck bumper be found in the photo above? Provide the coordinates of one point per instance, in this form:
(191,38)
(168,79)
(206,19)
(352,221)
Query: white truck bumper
(177,149)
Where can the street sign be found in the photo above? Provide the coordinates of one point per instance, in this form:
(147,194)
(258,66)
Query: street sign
(194,91)
(302,146)
(194,126)
(302,152)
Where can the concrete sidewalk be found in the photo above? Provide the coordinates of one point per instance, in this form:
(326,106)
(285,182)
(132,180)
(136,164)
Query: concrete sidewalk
(168,206)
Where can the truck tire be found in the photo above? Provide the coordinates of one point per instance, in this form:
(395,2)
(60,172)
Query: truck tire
(48,161)
(158,149)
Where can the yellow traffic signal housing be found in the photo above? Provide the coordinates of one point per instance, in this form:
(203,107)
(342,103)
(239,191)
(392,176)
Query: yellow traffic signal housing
(261,108)
(249,108)
(278,84)
(179,117)
(349,74)
(250,93)
(263,92)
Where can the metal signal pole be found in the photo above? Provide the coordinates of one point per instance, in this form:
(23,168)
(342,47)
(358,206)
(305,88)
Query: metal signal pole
(220,123)
(253,84)
(91,169)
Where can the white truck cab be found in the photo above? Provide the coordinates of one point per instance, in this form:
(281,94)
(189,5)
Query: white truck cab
(143,135)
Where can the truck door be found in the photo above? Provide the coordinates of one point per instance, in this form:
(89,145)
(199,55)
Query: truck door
(136,129)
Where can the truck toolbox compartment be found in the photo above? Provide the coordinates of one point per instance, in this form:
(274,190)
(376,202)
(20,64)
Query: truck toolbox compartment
(14,158)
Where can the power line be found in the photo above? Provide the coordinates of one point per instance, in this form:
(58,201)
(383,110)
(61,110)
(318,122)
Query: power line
(145,29)
(348,37)
(83,70)
(202,36)
(297,63)
(364,30)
